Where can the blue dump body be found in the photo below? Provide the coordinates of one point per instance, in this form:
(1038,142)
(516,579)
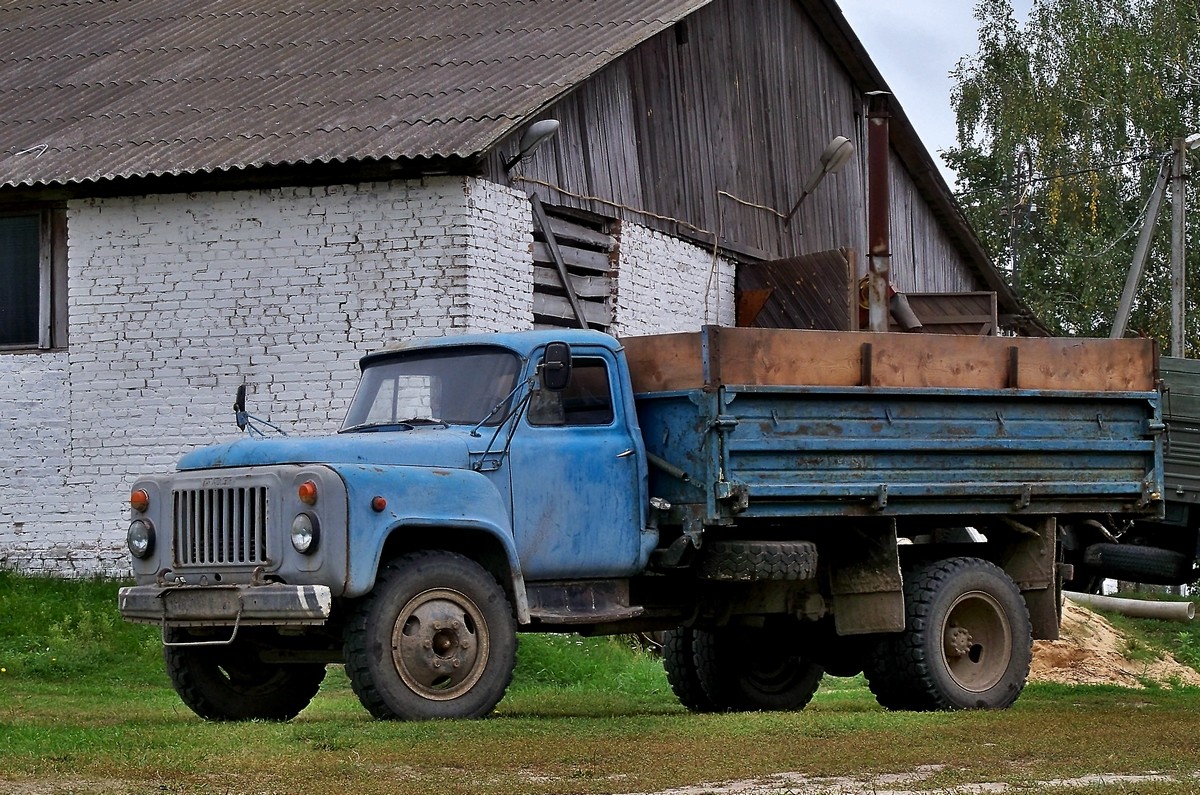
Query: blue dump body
(776,424)
(830,451)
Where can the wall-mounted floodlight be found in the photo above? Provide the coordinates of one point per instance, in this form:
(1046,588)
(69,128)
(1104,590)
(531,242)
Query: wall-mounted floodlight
(836,155)
(531,139)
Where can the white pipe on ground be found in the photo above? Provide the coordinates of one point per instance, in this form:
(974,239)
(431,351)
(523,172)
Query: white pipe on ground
(1136,608)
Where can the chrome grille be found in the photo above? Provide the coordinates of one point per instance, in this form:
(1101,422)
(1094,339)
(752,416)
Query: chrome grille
(220,526)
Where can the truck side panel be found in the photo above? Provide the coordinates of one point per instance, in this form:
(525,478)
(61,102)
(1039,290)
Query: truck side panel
(1181,410)
(815,434)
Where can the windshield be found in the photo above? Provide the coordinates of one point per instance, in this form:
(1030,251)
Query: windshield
(450,385)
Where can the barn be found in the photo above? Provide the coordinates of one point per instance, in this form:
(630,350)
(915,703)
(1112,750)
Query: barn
(196,196)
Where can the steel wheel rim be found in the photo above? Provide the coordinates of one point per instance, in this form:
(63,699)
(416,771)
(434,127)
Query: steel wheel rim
(440,644)
(976,641)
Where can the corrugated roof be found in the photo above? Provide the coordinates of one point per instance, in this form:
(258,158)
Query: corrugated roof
(104,89)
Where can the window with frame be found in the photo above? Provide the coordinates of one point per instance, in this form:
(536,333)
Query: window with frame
(32,279)
(587,400)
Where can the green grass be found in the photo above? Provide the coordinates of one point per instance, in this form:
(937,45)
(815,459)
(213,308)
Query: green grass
(1181,639)
(86,707)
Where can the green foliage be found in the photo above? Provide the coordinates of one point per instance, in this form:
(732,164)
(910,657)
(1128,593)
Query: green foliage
(605,663)
(1062,126)
(69,629)
(1180,639)
(583,715)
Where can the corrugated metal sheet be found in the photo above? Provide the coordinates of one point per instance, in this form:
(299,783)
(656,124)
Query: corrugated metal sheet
(103,89)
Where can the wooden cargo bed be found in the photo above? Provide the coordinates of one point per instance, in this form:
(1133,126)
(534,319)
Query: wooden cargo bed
(717,356)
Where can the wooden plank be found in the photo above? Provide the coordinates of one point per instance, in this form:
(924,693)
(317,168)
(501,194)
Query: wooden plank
(574,257)
(556,306)
(584,286)
(567,231)
(786,357)
(546,225)
(664,362)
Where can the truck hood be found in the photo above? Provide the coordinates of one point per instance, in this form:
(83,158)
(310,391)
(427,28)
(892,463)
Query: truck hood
(425,447)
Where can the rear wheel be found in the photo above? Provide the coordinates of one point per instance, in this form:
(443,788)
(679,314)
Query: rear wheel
(230,682)
(755,668)
(679,660)
(435,639)
(967,641)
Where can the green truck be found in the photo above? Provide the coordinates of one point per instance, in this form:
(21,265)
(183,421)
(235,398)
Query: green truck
(1157,551)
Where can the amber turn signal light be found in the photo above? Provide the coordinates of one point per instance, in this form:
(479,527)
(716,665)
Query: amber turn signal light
(307,492)
(378,504)
(139,500)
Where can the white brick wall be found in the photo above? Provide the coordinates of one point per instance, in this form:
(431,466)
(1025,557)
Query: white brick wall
(175,300)
(665,284)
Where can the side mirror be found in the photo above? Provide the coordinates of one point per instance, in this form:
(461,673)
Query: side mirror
(239,407)
(555,369)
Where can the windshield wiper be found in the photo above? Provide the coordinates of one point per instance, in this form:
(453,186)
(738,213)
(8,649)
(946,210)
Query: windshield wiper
(404,425)
(370,427)
(414,421)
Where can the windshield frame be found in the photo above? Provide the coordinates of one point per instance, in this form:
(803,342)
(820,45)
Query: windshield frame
(452,373)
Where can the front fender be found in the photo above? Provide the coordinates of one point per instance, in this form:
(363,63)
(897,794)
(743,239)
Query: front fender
(420,498)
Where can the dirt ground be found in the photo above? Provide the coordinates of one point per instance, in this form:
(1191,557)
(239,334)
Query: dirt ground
(1091,651)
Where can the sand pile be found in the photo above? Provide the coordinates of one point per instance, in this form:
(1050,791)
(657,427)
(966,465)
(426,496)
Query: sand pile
(1091,651)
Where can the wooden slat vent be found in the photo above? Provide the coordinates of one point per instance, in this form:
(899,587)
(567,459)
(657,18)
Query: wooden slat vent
(589,250)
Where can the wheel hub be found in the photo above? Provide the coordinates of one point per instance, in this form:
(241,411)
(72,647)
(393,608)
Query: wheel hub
(976,641)
(439,644)
(958,641)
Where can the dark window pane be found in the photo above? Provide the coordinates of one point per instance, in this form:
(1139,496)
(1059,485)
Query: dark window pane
(587,400)
(20,280)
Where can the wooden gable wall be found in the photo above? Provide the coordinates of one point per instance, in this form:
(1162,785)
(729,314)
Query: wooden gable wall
(741,97)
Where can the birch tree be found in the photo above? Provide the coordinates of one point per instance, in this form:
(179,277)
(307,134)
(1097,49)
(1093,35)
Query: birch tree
(1062,125)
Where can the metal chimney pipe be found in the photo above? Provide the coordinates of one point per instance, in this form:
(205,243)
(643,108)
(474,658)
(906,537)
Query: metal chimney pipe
(879,264)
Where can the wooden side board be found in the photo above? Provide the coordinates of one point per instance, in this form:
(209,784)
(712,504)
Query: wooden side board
(787,357)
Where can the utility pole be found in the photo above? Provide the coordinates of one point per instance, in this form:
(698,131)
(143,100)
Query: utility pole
(1178,235)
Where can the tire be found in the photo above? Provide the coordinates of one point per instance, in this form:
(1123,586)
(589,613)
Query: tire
(434,639)
(967,641)
(1152,565)
(680,664)
(743,669)
(231,683)
(750,561)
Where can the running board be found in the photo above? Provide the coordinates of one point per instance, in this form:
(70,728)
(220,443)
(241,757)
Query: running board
(590,602)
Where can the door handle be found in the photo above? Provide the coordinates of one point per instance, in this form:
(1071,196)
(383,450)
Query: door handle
(626,454)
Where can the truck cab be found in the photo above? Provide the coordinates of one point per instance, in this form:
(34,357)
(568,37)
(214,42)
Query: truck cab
(454,444)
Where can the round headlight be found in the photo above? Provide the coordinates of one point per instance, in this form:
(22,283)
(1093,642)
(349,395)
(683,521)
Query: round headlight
(305,531)
(140,538)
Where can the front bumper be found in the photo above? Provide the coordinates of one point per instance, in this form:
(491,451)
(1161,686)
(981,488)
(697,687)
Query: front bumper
(226,605)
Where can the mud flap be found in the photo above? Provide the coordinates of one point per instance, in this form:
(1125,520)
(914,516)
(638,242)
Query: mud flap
(868,592)
(1030,560)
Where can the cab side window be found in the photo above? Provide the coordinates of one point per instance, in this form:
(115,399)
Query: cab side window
(587,400)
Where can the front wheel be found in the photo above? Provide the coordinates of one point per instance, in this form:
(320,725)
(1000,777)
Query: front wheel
(231,682)
(435,639)
(967,641)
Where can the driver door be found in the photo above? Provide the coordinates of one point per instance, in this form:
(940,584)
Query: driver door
(576,478)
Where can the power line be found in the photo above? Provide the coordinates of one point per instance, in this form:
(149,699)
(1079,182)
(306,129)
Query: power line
(1008,186)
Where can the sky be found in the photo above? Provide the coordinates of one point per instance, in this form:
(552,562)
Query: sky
(915,44)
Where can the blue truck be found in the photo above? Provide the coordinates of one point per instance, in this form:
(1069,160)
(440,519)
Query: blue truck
(780,504)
